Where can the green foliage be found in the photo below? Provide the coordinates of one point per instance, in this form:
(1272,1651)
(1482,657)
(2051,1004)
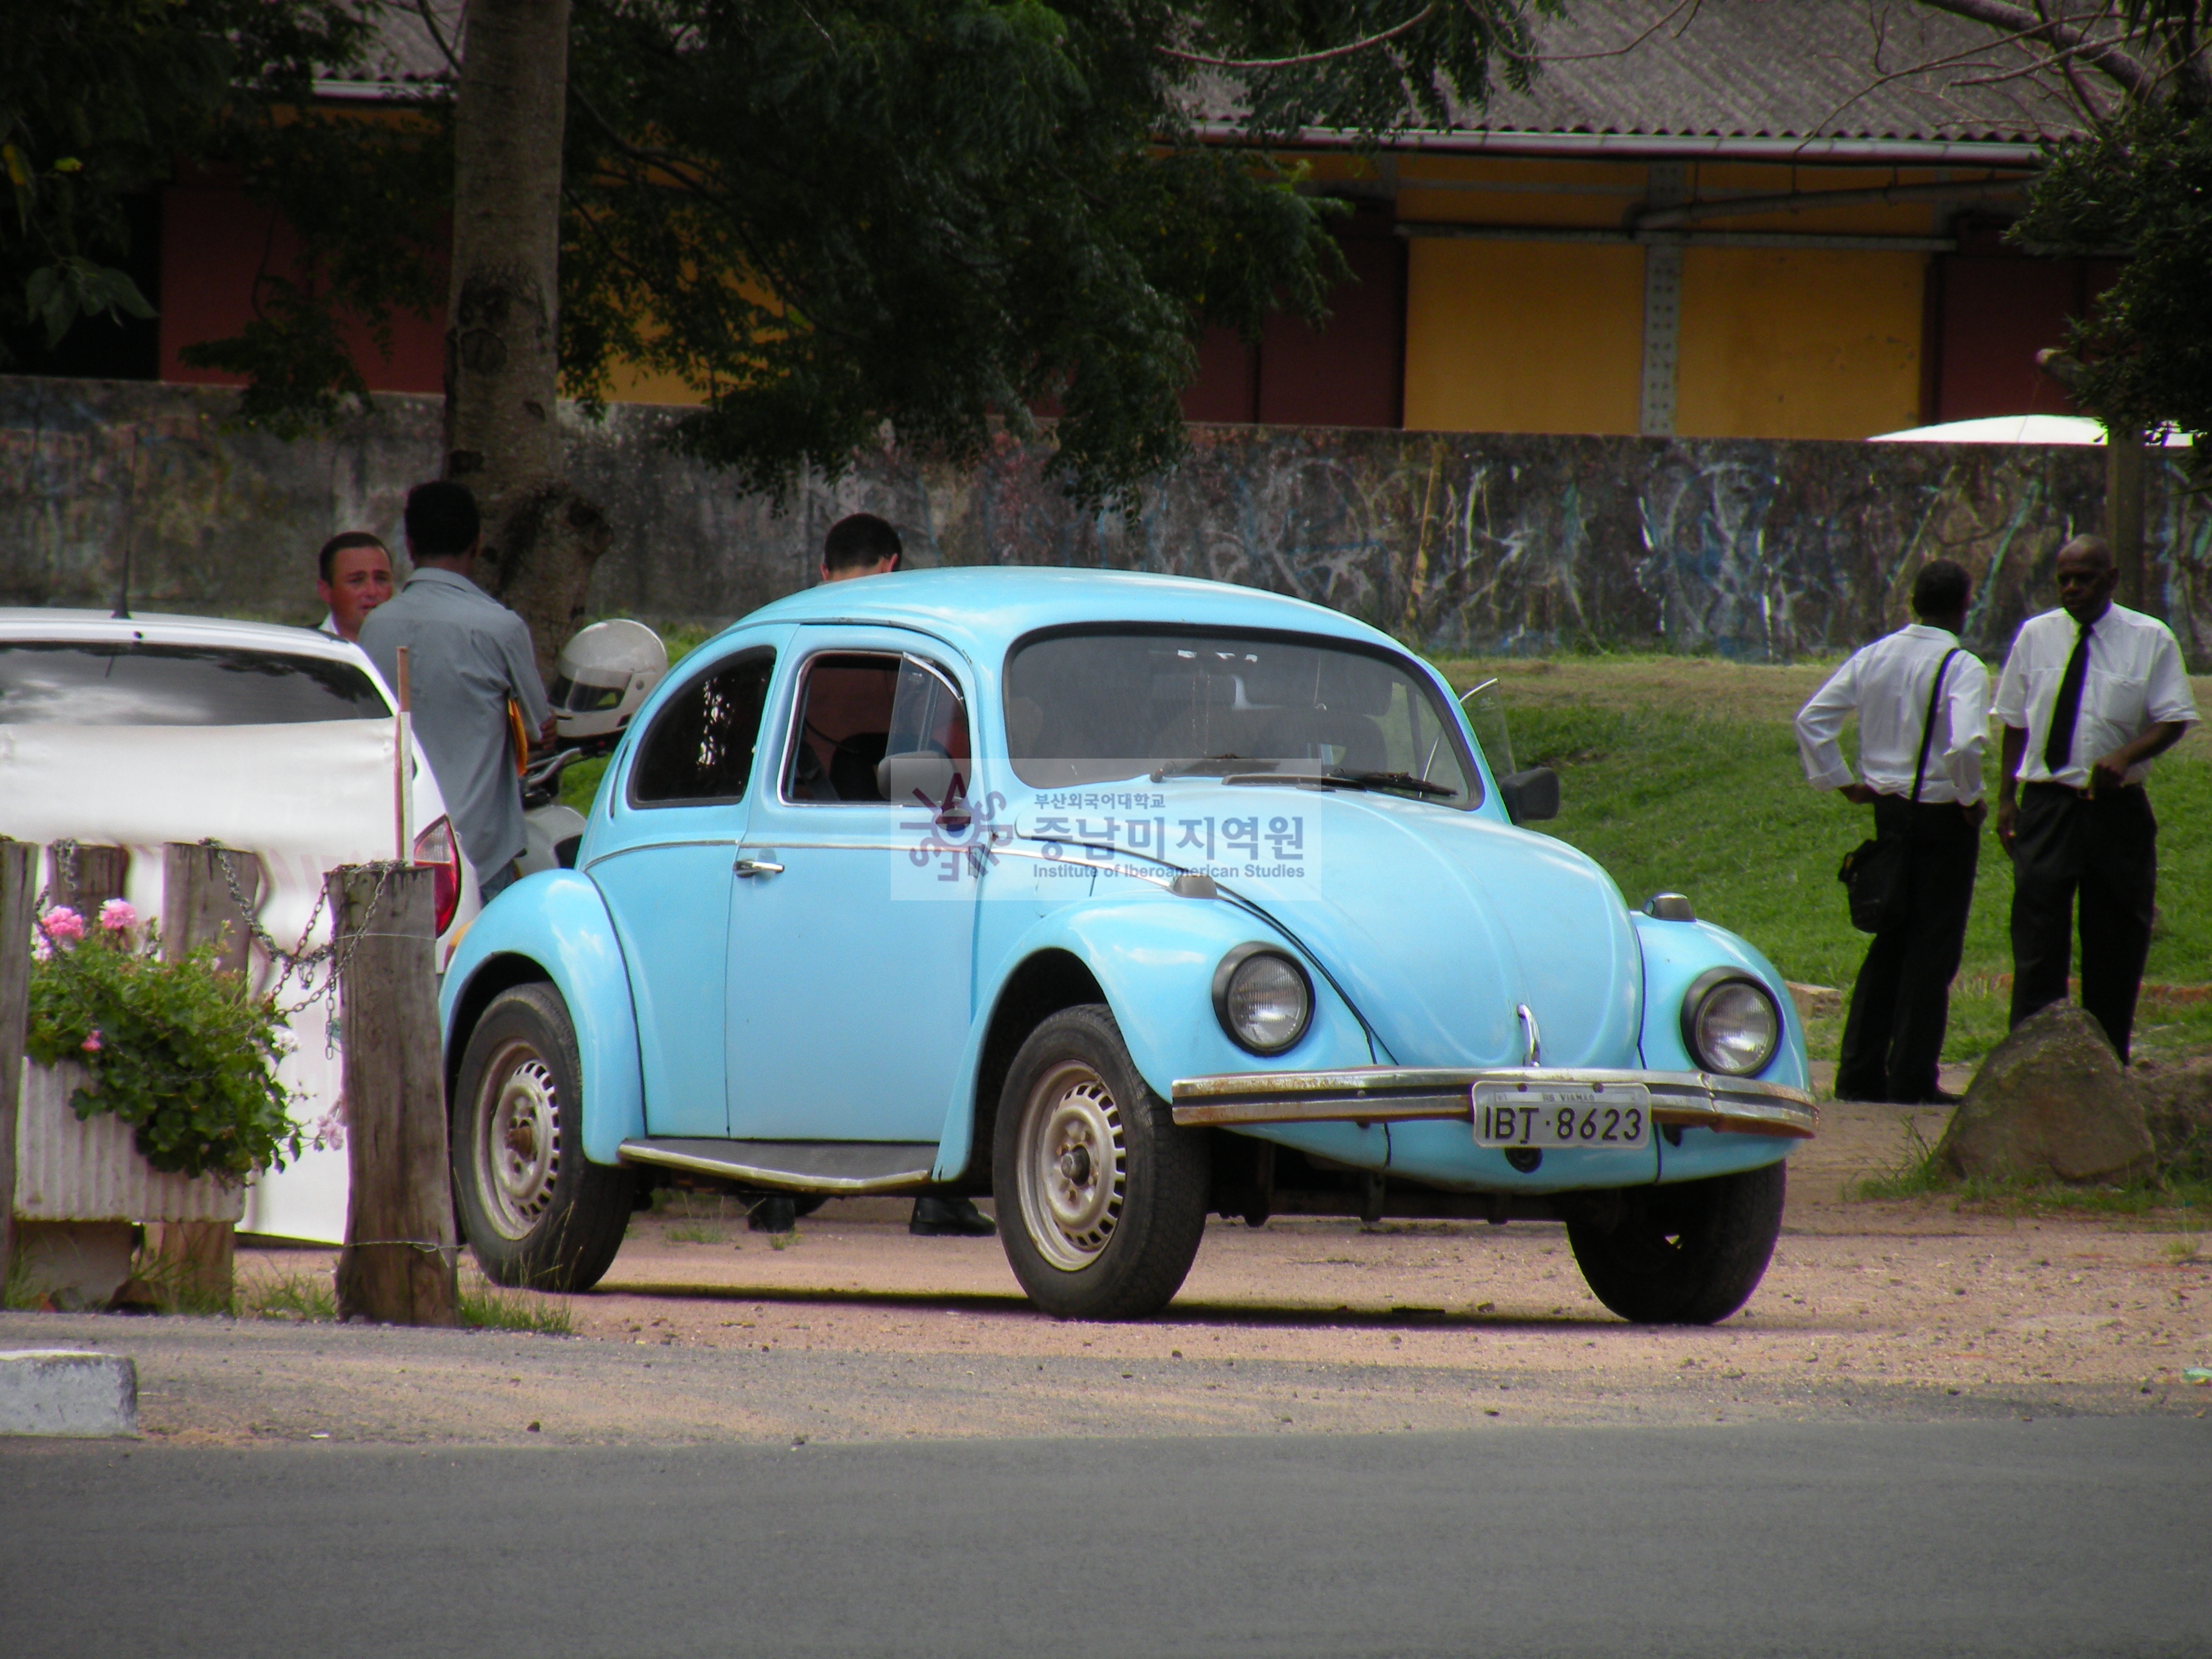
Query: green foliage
(945,214)
(98,98)
(2142,187)
(824,216)
(184,1054)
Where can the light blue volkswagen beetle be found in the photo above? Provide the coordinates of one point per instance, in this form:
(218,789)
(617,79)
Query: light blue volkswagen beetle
(1125,900)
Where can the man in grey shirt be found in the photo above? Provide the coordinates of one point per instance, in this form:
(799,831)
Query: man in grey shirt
(467,654)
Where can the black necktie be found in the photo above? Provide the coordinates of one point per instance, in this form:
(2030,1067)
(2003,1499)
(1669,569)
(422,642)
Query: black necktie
(2058,747)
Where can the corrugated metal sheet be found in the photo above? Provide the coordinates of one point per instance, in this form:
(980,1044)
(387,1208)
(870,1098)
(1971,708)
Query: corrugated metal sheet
(67,1170)
(1748,70)
(1795,68)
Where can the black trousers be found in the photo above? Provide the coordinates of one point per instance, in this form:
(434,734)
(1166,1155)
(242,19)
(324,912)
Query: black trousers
(2105,847)
(1901,1001)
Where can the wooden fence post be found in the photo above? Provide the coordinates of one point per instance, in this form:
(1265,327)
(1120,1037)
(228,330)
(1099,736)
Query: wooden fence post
(88,879)
(200,1257)
(18,878)
(397,1266)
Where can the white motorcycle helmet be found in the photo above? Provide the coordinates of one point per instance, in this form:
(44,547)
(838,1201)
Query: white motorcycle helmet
(602,676)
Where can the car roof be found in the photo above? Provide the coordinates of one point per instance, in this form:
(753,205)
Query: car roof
(983,609)
(38,622)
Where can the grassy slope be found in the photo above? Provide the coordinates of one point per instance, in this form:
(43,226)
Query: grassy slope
(1684,775)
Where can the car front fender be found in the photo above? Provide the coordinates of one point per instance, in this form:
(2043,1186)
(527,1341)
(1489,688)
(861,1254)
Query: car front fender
(1153,955)
(555,925)
(1674,954)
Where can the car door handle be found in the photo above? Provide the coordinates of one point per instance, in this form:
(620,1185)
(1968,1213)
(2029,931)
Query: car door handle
(758,868)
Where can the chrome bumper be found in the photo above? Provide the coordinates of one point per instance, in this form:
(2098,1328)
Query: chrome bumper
(1390,1094)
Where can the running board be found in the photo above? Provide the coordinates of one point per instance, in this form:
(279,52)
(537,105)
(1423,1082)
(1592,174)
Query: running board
(802,1166)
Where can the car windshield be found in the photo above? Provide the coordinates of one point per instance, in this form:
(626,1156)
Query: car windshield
(1090,705)
(132,682)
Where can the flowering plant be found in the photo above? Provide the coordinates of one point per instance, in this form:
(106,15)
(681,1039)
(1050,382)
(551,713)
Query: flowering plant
(185,1055)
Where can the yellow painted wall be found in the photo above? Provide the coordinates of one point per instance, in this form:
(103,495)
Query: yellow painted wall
(1798,342)
(1523,336)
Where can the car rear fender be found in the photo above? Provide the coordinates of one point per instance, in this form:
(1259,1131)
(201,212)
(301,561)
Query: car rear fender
(1152,957)
(554,927)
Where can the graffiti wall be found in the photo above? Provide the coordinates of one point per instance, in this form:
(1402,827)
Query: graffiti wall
(1456,542)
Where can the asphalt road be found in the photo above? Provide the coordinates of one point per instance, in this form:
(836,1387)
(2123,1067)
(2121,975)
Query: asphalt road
(2066,1537)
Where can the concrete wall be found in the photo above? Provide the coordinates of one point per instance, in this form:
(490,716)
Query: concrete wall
(1458,542)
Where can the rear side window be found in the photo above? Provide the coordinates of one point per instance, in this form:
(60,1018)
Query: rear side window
(699,749)
(133,683)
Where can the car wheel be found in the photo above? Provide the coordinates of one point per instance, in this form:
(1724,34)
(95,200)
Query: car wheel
(1102,1200)
(1690,1254)
(536,1211)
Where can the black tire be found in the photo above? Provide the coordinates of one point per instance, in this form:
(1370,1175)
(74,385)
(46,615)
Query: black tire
(1087,1241)
(1690,1254)
(537,1214)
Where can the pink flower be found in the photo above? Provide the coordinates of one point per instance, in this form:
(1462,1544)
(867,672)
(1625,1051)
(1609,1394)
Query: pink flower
(115,916)
(62,925)
(40,950)
(91,1044)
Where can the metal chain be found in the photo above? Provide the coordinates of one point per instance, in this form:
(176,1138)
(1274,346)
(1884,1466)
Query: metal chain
(304,960)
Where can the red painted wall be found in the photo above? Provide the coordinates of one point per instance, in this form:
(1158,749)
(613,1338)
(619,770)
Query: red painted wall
(1349,373)
(1994,309)
(215,243)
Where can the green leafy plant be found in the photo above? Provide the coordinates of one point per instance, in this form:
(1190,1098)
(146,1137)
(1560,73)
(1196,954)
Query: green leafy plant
(184,1053)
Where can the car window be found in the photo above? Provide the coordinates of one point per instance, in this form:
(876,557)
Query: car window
(1090,705)
(874,725)
(135,683)
(699,749)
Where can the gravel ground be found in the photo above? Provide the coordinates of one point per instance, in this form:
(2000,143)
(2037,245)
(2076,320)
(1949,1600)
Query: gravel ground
(854,1331)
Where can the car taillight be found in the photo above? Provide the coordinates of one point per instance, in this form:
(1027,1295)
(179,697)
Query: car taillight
(436,847)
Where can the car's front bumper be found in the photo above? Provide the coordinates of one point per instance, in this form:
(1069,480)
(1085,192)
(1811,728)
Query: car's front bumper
(1393,1094)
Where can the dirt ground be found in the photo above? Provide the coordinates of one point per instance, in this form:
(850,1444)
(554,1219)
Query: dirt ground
(853,1330)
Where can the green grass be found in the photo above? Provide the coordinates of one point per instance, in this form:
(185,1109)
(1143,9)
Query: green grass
(484,1307)
(1674,785)
(307,1296)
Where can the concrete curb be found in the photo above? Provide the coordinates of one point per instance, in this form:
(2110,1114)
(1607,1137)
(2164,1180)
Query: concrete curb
(63,1391)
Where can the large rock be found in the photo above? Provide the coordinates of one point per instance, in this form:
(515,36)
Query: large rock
(2050,1101)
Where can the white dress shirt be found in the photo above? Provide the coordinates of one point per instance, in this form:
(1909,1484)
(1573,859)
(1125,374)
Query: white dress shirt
(2135,681)
(1889,683)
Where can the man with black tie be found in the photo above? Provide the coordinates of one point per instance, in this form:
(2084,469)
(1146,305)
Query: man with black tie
(1924,705)
(2090,694)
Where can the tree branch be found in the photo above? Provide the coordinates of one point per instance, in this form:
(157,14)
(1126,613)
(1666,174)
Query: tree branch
(2137,79)
(1413,22)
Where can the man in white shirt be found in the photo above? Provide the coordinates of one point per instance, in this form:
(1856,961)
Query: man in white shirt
(1901,1001)
(2090,693)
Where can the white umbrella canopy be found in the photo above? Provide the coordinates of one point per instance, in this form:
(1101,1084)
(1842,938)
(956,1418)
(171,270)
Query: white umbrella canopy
(2016,429)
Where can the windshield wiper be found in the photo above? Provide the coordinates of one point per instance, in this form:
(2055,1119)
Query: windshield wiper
(1204,765)
(1336,777)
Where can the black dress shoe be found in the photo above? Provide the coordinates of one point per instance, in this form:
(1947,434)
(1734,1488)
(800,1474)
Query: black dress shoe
(1939,1097)
(954,1217)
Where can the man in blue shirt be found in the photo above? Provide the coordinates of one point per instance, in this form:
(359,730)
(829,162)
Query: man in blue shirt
(468,655)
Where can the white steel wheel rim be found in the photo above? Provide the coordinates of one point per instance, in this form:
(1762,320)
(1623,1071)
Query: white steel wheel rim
(517,1139)
(1072,1167)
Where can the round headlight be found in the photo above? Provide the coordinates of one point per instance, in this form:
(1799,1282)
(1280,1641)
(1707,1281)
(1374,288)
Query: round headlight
(1730,1023)
(1262,998)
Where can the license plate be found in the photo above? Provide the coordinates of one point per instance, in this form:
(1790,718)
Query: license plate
(1562,1115)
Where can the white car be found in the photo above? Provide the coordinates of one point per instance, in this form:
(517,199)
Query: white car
(277,741)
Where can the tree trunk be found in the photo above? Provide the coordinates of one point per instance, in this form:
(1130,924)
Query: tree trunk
(502,334)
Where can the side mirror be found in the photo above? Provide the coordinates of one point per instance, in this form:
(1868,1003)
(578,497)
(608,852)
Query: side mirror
(1532,796)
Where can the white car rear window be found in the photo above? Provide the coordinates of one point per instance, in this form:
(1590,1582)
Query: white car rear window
(136,683)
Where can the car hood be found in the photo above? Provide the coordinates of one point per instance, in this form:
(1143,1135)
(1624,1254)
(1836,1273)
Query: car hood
(1439,924)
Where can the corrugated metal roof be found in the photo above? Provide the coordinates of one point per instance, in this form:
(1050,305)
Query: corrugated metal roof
(1884,70)
(1778,69)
